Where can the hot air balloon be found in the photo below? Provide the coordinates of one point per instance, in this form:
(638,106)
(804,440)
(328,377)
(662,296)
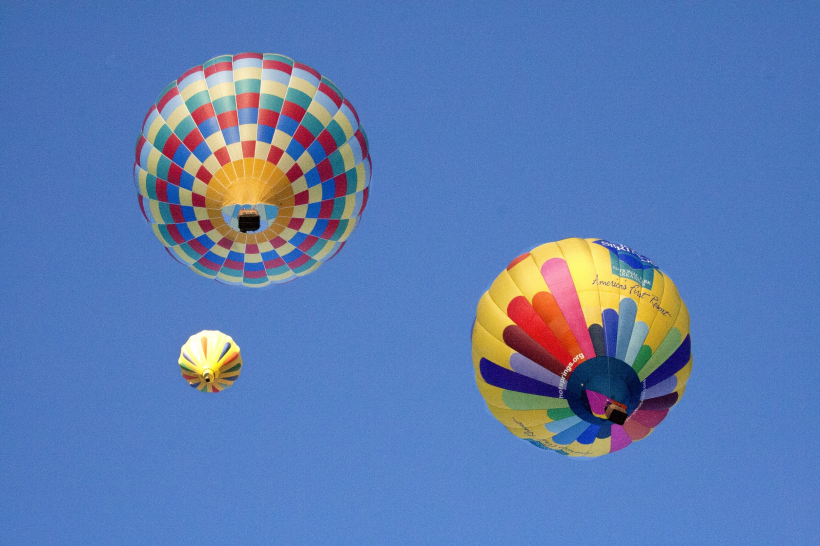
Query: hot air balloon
(210,361)
(252,169)
(581,346)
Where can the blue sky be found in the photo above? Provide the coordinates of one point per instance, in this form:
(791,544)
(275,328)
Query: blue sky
(690,133)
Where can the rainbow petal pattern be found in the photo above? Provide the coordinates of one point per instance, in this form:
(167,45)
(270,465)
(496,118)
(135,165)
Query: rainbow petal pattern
(571,327)
(252,131)
(210,361)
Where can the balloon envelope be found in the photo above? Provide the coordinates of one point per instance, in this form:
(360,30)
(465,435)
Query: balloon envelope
(581,346)
(252,169)
(210,361)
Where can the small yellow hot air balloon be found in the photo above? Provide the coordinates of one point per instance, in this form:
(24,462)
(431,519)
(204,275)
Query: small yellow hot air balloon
(210,361)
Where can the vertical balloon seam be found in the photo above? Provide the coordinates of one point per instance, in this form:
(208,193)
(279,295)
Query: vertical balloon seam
(538,267)
(680,388)
(642,327)
(580,432)
(353,168)
(539,322)
(261,75)
(155,107)
(661,347)
(530,256)
(585,244)
(597,315)
(502,311)
(589,245)
(557,276)
(611,319)
(639,412)
(220,275)
(624,297)
(654,314)
(603,326)
(569,437)
(569,421)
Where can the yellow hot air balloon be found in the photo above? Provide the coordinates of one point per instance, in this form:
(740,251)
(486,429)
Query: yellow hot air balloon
(210,361)
(581,346)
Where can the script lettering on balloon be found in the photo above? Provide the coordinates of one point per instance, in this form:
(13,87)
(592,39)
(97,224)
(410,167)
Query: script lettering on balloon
(527,431)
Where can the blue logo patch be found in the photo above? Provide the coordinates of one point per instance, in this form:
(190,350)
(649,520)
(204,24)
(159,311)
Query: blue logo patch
(628,264)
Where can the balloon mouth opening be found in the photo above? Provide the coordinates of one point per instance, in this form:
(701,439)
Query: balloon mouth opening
(250,195)
(604,390)
(250,218)
(208,375)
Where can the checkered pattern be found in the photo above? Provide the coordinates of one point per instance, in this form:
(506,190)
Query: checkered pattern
(252,129)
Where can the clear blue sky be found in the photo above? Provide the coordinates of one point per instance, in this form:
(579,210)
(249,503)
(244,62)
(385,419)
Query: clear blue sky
(690,133)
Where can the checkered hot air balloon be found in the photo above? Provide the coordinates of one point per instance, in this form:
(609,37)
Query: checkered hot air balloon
(581,346)
(252,169)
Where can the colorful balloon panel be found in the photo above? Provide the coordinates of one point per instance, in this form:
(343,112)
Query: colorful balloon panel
(258,133)
(581,346)
(210,361)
